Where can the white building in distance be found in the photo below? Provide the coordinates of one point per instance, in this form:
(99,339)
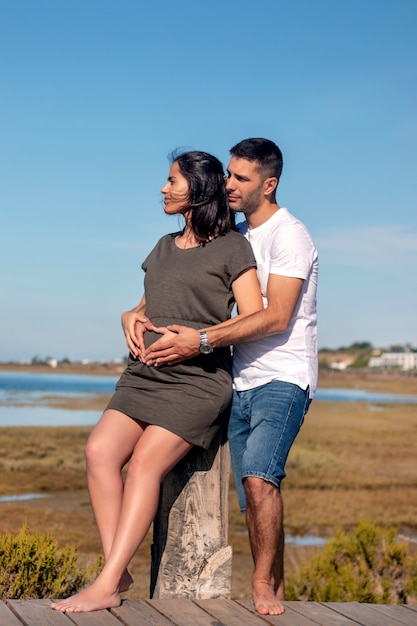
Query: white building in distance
(402,360)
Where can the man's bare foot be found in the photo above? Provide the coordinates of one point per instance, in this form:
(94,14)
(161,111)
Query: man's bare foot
(265,600)
(126,582)
(92,598)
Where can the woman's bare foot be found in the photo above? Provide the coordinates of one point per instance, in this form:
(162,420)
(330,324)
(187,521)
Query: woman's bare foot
(93,598)
(126,582)
(265,600)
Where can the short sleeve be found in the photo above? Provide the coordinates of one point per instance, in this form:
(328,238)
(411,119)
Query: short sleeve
(240,256)
(292,252)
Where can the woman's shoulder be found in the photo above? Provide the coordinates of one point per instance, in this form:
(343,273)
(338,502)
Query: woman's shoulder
(170,236)
(234,240)
(234,248)
(162,247)
(166,239)
(233,237)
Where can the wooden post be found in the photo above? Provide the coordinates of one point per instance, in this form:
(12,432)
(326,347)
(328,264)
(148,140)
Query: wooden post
(190,554)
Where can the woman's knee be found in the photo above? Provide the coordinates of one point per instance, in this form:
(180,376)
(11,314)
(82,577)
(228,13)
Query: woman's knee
(148,461)
(112,442)
(142,464)
(96,451)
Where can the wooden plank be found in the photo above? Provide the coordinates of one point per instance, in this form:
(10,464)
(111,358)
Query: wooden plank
(37,613)
(320,613)
(6,616)
(229,612)
(291,617)
(411,607)
(182,612)
(365,614)
(139,613)
(398,612)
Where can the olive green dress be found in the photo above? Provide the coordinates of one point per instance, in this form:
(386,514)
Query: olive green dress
(191,287)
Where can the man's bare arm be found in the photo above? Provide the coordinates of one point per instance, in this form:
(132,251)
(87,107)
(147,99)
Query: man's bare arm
(282,294)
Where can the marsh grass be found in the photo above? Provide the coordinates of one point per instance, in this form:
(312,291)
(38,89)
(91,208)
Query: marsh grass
(42,460)
(33,566)
(372,380)
(350,461)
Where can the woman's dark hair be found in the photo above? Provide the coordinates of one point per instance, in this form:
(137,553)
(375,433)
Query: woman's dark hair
(207,198)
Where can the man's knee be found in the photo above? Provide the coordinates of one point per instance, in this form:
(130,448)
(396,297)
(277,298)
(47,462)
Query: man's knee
(257,489)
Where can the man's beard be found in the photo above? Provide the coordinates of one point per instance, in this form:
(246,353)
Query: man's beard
(252,201)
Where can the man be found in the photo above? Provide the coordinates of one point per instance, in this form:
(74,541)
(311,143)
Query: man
(274,358)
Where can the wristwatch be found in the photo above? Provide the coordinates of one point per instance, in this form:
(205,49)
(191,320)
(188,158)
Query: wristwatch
(205,347)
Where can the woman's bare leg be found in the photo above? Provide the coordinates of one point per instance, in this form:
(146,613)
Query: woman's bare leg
(108,449)
(156,452)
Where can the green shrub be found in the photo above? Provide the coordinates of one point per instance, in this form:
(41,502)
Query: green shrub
(368,565)
(31,566)
(411,584)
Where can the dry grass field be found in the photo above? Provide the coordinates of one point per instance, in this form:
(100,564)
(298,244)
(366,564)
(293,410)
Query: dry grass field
(350,461)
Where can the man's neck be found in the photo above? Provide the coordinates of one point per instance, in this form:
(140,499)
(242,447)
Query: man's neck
(262,214)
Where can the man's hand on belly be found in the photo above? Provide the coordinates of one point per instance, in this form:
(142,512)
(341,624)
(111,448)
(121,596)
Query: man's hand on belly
(177,344)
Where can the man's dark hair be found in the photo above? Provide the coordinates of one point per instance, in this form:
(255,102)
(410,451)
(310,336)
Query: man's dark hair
(210,212)
(265,152)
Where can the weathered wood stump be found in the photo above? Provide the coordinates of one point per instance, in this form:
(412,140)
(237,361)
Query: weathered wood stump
(190,554)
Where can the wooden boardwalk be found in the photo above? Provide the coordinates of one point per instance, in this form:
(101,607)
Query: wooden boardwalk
(182,612)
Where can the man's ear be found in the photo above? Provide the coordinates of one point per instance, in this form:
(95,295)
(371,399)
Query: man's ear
(270,184)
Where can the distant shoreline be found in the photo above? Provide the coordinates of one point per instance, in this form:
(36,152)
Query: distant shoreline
(78,369)
(371,380)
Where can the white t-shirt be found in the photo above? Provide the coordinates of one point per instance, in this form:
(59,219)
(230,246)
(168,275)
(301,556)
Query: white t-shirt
(283,246)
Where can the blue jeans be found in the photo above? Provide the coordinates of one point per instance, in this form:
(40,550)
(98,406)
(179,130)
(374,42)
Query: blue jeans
(264,422)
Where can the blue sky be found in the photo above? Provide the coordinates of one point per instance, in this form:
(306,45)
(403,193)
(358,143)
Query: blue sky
(96,93)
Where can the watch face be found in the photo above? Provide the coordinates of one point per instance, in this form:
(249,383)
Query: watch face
(205,347)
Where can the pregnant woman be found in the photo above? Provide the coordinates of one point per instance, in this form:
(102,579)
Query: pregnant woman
(156,415)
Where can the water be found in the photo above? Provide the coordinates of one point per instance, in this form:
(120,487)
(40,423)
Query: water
(23,497)
(16,386)
(361,395)
(24,398)
(46,416)
(304,540)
